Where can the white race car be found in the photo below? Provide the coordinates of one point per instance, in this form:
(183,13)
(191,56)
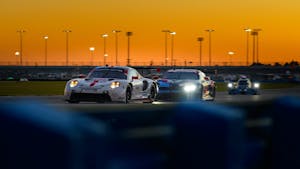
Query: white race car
(111,84)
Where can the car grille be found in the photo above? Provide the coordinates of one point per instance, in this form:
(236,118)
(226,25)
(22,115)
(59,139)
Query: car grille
(243,87)
(172,87)
(165,88)
(90,97)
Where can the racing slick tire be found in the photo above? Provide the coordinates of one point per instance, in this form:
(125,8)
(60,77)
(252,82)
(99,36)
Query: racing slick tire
(127,95)
(153,94)
(213,93)
(201,93)
(231,92)
(73,101)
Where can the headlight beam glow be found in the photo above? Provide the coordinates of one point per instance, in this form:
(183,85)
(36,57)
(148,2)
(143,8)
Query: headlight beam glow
(256,85)
(229,85)
(114,84)
(73,83)
(189,88)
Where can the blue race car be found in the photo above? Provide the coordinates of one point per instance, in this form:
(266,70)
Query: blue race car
(243,86)
(185,84)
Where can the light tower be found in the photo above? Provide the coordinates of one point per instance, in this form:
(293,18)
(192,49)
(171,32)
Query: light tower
(172,47)
(21,31)
(116,35)
(166,45)
(200,39)
(247,30)
(67,45)
(46,49)
(104,36)
(128,34)
(209,45)
(254,33)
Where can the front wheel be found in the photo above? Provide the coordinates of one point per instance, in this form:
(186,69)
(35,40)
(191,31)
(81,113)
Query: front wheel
(127,95)
(213,92)
(201,92)
(255,93)
(73,101)
(153,93)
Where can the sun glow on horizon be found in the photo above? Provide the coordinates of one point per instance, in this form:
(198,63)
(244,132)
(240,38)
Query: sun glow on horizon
(89,21)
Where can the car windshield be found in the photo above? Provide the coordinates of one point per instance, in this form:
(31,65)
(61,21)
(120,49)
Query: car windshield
(181,75)
(243,82)
(108,73)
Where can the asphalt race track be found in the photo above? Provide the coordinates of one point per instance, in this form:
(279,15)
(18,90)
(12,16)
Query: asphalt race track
(221,98)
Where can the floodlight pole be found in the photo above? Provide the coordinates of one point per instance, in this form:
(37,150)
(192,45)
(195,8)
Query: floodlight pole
(67,45)
(116,32)
(21,45)
(209,46)
(166,45)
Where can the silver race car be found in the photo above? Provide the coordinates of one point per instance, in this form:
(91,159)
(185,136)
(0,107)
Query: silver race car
(243,86)
(186,84)
(111,84)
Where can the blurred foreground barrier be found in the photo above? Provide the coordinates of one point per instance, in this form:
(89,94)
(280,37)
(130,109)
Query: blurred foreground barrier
(208,136)
(36,136)
(186,135)
(286,137)
(179,136)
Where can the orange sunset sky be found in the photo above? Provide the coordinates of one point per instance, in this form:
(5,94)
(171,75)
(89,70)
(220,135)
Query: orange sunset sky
(279,39)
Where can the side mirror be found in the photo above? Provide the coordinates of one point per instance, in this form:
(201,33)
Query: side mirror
(82,76)
(135,77)
(155,77)
(206,78)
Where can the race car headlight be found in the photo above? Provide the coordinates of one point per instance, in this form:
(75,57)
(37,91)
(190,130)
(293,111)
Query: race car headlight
(114,85)
(189,87)
(73,83)
(256,85)
(230,85)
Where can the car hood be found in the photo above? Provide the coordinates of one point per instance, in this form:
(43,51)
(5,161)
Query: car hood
(94,82)
(242,86)
(170,83)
